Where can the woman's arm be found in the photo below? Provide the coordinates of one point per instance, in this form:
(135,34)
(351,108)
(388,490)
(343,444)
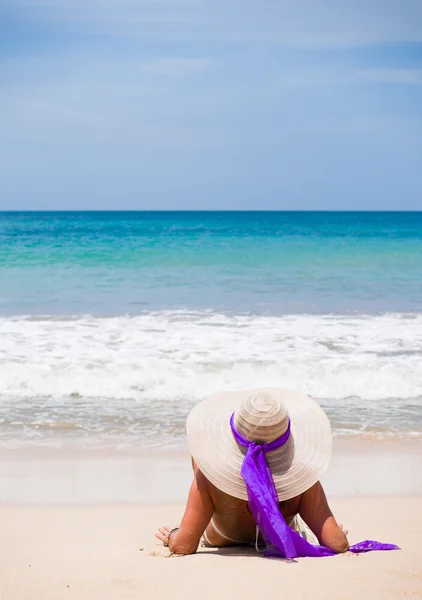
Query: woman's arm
(198,512)
(315,511)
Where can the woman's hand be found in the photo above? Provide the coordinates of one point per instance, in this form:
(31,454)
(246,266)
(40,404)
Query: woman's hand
(163,534)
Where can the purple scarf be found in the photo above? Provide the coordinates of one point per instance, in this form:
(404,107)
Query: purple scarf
(280,539)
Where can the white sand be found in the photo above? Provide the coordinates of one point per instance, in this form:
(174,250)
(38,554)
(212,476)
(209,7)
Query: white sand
(90,553)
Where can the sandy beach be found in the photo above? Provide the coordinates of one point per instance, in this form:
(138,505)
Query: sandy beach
(109,552)
(81,525)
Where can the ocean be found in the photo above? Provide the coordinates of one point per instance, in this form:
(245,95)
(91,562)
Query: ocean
(114,324)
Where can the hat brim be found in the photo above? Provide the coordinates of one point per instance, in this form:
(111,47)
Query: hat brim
(219,457)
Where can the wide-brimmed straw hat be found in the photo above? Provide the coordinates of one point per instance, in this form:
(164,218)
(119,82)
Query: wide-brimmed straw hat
(261,415)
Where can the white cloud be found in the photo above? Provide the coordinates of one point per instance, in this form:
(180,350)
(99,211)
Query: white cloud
(176,67)
(155,101)
(411,77)
(71,101)
(320,77)
(304,23)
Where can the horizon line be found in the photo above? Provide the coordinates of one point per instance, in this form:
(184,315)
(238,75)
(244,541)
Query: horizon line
(206,210)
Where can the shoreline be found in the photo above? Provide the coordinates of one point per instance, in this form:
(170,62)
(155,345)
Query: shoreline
(41,476)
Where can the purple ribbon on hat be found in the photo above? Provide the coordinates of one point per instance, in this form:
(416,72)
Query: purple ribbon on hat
(281,541)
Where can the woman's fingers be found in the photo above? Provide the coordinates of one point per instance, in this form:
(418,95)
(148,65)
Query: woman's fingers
(163,534)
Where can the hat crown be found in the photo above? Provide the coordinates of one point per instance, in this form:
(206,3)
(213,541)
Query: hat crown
(261,417)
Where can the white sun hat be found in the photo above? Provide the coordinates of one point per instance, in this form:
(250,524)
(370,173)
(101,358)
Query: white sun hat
(261,415)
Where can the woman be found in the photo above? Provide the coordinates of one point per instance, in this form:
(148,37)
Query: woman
(257,457)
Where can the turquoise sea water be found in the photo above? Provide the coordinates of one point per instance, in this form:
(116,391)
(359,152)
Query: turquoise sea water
(113,325)
(268,263)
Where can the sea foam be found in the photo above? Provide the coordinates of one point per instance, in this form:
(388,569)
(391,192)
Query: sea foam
(144,373)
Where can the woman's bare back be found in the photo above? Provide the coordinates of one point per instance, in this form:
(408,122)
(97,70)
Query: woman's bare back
(232,520)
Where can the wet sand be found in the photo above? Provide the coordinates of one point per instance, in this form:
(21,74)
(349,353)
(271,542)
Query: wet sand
(99,476)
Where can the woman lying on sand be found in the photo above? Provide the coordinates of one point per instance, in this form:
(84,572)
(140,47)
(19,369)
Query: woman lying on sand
(218,508)
(257,457)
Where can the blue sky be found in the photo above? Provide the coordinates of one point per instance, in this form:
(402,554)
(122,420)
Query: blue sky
(211,104)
